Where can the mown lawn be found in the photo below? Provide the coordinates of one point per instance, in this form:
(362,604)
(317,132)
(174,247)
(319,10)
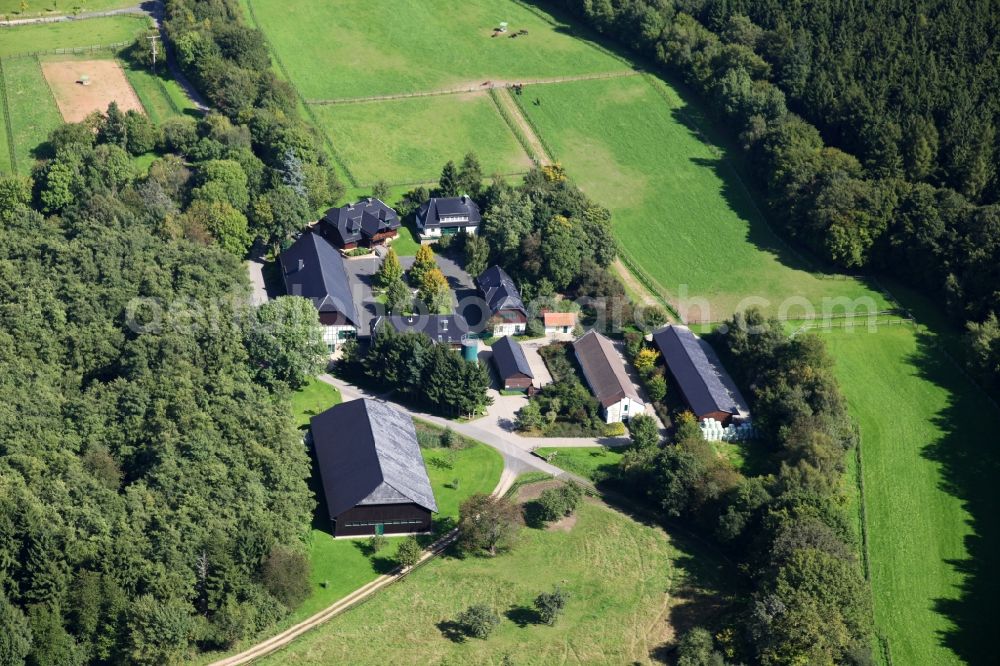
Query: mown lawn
(680,211)
(620,576)
(70,34)
(930,465)
(33,111)
(398,46)
(590,462)
(6,166)
(161,97)
(409,140)
(315,397)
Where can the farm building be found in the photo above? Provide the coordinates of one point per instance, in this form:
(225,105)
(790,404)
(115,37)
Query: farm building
(365,223)
(451,330)
(604,371)
(508,315)
(373,475)
(559,322)
(314,269)
(707,388)
(511,364)
(447,216)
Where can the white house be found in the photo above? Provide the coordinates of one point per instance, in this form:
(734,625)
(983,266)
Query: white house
(447,216)
(604,371)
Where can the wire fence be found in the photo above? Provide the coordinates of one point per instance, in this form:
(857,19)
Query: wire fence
(648,282)
(8,128)
(76,50)
(514,127)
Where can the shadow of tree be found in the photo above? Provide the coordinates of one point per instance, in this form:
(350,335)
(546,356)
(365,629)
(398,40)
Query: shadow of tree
(970,466)
(523,616)
(451,630)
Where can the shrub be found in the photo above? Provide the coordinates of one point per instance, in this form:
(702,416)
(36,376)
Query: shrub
(285,574)
(409,552)
(550,605)
(478,621)
(376,543)
(359,252)
(488,525)
(448,438)
(558,502)
(613,429)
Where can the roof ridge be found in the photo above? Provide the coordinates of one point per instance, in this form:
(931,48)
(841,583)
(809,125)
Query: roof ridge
(371,433)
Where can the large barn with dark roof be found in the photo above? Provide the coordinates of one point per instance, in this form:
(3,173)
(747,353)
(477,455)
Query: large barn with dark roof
(707,388)
(314,269)
(374,478)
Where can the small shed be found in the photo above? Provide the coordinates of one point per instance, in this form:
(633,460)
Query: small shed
(512,365)
(559,322)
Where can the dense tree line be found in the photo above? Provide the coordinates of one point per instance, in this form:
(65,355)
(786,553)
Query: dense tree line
(911,89)
(786,524)
(152,492)
(290,175)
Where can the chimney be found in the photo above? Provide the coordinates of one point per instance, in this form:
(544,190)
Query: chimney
(302,264)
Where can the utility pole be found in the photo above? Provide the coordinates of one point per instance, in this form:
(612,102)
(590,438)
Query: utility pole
(152,41)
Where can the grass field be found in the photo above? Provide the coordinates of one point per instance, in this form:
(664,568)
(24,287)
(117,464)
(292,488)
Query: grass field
(31,107)
(620,576)
(70,34)
(162,98)
(930,465)
(311,399)
(679,210)
(409,140)
(590,462)
(401,46)
(12,8)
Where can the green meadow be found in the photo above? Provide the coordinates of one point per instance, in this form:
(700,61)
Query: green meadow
(70,34)
(621,576)
(679,209)
(930,465)
(12,8)
(356,48)
(31,108)
(409,140)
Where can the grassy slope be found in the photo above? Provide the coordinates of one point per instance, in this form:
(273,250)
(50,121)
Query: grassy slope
(408,45)
(616,570)
(313,398)
(33,110)
(425,133)
(929,467)
(584,461)
(70,34)
(679,210)
(162,98)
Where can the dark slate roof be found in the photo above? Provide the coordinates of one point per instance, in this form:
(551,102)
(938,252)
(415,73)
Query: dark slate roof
(510,359)
(431,212)
(603,369)
(499,290)
(364,219)
(450,329)
(706,385)
(367,453)
(314,269)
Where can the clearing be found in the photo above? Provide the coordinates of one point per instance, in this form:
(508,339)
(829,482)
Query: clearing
(76,101)
(409,140)
(930,467)
(626,582)
(679,209)
(408,45)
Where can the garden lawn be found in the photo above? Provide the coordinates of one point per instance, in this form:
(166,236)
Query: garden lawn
(930,466)
(70,34)
(409,140)
(679,208)
(33,111)
(617,572)
(399,46)
(591,462)
(315,397)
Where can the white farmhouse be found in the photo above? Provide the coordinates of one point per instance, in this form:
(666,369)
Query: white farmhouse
(447,216)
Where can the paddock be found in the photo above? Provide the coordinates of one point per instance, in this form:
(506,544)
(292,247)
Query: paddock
(106,83)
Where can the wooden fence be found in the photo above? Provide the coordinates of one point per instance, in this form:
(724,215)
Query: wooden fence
(77,50)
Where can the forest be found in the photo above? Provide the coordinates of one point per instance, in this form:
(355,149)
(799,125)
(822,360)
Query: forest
(870,129)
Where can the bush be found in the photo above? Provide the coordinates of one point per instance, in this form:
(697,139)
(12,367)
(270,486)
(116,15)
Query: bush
(550,605)
(488,525)
(285,574)
(616,429)
(556,503)
(359,252)
(376,543)
(478,621)
(409,552)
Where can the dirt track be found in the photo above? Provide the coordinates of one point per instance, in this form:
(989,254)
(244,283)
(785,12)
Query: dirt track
(75,100)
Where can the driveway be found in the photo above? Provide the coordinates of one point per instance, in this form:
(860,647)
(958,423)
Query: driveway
(535,362)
